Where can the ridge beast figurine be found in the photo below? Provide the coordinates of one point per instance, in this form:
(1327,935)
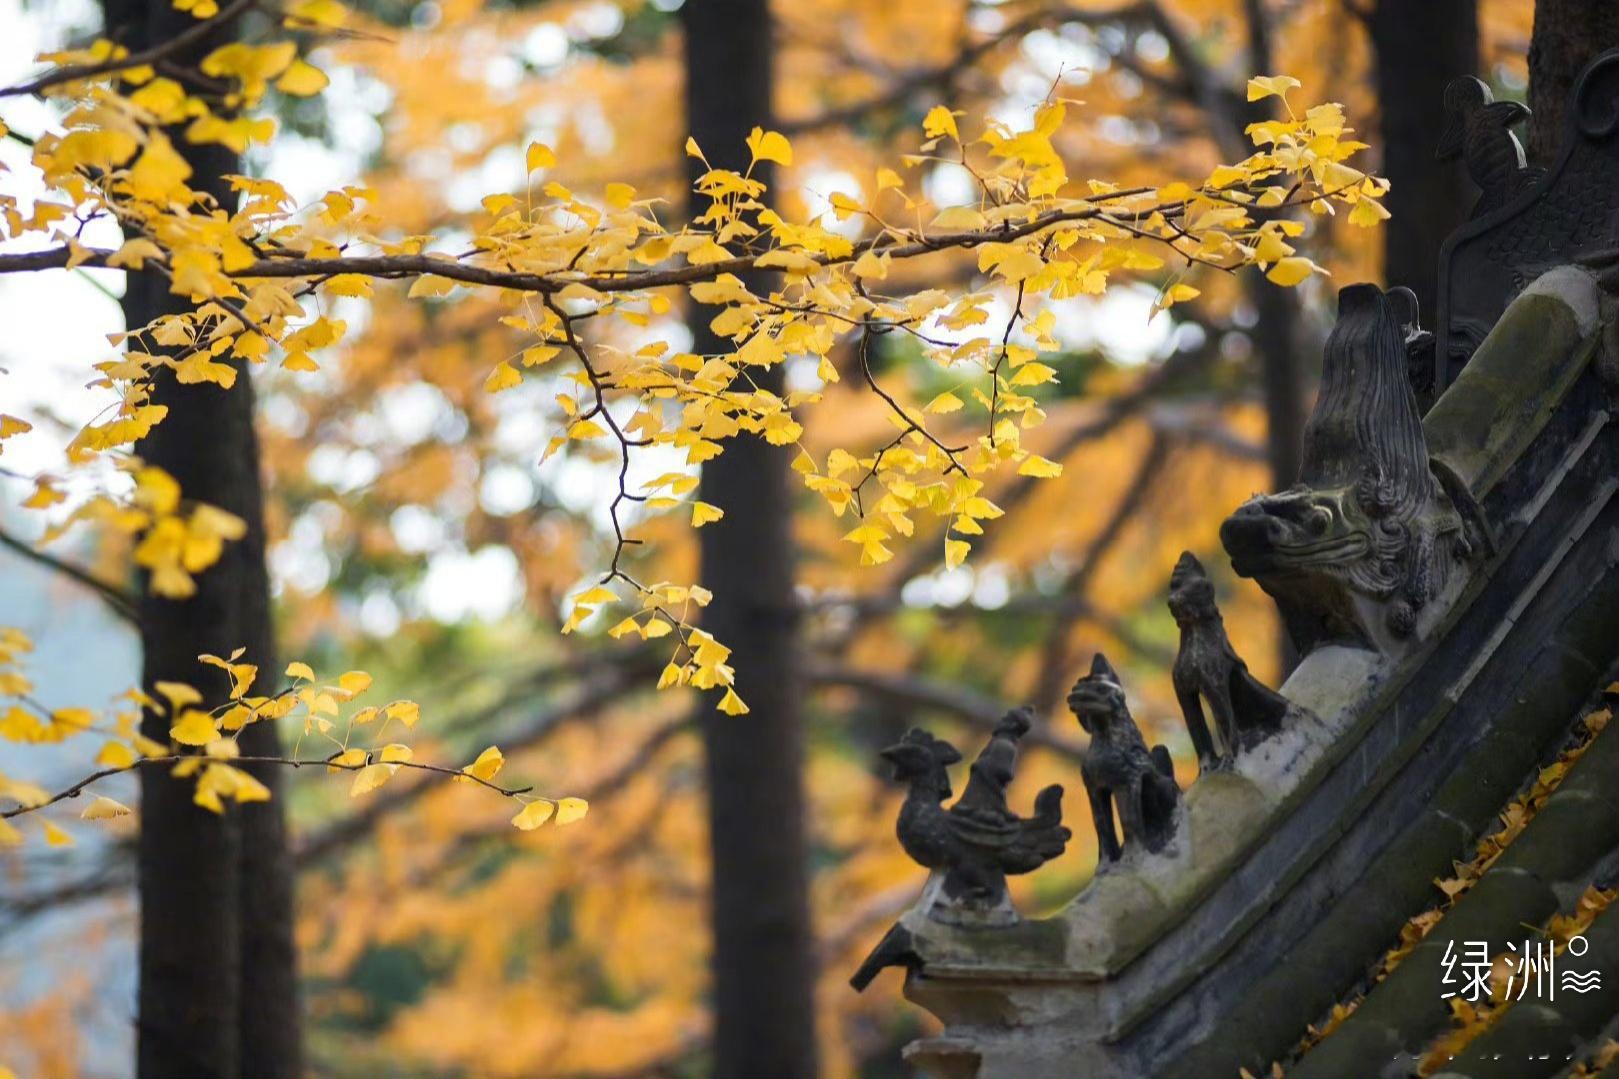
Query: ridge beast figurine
(1371,533)
(1119,770)
(979,840)
(1207,668)
(1479,132)
(1527,220)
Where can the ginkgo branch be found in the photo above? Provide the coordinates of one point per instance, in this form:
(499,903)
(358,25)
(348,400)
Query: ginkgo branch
(911,244)
(118,601)
(589,697)
(899,410)
(79,787)
(191,35)
(599,389)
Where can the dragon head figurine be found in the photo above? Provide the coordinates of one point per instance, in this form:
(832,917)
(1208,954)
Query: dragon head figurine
(1369,535)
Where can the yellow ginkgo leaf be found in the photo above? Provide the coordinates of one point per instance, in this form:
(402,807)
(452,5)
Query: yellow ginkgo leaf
(194,728)
(1290,271)
(571,809)
(354,682)
(406,712)
(945,402)
(115,755)
(940,121)
(348,758)
(429,285)
(702,513)
(1039,467)
(369,778)
(503,377)
(1032,374)
(770,146)
(486,766)
(300,670)
(731,704)
(534,814)
(349,284)
(1263,86)
(104,808)
(540,156)
(1368,213)
(179,694)
(302,80)
(56,837)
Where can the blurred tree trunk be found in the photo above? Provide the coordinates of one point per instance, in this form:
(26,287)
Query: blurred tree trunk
(1419,47)
(1275,336)
(218,983)
(764,966)
(1568,34)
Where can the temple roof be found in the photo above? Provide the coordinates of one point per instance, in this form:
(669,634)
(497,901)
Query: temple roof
(1427,807)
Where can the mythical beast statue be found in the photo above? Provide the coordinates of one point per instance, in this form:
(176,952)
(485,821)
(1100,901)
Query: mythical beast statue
(1372,532)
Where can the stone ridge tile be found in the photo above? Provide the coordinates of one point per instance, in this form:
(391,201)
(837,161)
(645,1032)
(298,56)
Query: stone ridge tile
(1597,770)
(1530,1041)
(1489,777)
(1334,953)
(1362,1051)
(1569,834)
(1497,908)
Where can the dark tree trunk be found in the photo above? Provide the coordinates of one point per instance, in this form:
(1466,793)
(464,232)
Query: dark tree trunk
(218,985)
(1276,330)
(1568,35)
(764,966)
(1276,339)
(1419,47)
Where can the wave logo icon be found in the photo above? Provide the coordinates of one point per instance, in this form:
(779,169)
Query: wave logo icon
(1575,982)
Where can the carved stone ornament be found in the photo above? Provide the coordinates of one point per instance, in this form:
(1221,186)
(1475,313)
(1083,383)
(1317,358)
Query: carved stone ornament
(978,841)
(1207,668)
(1370,535)
(1478,130)
(1119,771)
(1526,221)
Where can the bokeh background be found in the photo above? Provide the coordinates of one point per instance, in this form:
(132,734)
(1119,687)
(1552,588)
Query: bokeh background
(415,534)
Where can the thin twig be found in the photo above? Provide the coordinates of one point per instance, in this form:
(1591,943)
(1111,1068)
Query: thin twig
(192,35)
(121,603)
(289,762)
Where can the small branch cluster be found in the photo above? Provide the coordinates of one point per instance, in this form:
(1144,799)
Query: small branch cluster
(204,742)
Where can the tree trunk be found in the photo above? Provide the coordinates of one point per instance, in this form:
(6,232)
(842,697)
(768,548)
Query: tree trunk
(763,962)
(1275,334)
(1419,47)
(218,982)
(1276,338)
(1568,34)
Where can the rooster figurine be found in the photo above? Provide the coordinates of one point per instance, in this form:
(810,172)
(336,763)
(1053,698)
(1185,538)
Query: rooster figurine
(978,841)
